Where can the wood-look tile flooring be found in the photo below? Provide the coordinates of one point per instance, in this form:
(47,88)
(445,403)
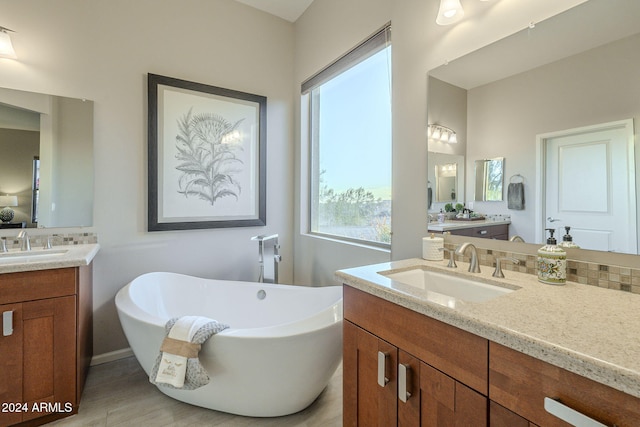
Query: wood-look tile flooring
(119,394)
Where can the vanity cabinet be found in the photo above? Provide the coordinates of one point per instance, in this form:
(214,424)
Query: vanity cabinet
(46,344)
(498,232)
(520,383)
(404,368)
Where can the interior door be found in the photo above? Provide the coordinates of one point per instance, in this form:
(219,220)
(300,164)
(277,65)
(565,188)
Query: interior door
(590,186)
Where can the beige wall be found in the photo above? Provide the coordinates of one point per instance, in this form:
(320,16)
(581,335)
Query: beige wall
(102,50)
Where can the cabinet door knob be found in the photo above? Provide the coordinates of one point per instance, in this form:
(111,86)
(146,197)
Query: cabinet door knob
(404,382)
(383,379)
(7,323)
(565,413)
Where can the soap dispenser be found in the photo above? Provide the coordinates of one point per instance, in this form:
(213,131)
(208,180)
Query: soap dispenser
(567,240)
(552,262)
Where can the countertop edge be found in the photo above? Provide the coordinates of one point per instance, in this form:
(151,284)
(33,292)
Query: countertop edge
(78,255)
(598,370)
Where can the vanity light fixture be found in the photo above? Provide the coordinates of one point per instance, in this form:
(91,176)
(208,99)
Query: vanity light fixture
(6,213)
(6,47)
(441,133)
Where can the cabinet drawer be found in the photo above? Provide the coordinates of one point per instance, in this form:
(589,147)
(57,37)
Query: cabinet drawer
(455,352)
(488,231)
(521,383)
(35,285)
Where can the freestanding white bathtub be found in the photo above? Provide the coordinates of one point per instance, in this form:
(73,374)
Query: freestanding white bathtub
(283,345)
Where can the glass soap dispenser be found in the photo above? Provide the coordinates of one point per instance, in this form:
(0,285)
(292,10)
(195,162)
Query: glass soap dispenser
(567,240)
(552,262)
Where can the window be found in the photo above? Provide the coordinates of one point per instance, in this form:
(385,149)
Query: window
(349,125)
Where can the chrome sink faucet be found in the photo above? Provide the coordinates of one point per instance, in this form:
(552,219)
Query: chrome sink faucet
(25,244)
(498,271)
(474,267)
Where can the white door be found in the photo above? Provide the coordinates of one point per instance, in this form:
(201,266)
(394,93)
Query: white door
(590,186)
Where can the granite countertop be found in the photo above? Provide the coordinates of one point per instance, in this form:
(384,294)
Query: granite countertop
(587,330)
(46,259)
(459,224)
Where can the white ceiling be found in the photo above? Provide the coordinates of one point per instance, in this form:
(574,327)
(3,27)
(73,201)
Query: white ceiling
(286,9)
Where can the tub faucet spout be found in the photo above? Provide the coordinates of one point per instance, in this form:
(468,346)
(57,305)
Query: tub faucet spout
(474,267)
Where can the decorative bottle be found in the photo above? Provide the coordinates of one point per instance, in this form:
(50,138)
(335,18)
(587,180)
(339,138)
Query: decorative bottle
(552,262)
(567,240)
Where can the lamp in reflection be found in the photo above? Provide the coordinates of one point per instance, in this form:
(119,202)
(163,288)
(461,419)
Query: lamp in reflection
(6,213)
(6,47)
(441,133)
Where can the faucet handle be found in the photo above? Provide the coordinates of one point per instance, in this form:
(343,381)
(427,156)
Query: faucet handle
(452,257)
(3,245)
(498,271)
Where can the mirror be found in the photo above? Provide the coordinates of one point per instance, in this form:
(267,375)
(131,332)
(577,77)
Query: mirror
(47,161)
(446,180)
(489,180)
(576,69)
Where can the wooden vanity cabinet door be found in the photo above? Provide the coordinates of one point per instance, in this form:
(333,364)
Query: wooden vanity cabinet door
(49,333)
(447,402)
(11,367)
(366,403)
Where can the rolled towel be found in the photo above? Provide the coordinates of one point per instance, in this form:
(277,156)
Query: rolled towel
(177,365)
(515,196)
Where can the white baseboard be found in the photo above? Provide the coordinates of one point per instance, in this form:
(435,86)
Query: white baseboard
(111,356)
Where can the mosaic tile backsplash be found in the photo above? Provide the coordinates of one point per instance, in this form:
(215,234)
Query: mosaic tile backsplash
(587,273)
(56,239)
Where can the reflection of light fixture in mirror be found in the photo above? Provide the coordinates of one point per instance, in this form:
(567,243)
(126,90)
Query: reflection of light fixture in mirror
(441,133)
(6,213)
(6,47)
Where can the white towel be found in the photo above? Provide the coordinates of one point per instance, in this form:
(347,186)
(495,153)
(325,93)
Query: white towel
(178,365)
(173,368)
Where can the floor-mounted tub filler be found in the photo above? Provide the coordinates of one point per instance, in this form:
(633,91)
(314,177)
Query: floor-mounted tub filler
(282,347)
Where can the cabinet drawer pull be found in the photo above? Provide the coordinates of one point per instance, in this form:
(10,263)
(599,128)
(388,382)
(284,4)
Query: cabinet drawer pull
(483,232)
(383,379)
(7,323)
(573,417)
(404,382)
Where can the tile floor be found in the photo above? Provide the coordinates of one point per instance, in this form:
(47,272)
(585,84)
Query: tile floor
(119,394)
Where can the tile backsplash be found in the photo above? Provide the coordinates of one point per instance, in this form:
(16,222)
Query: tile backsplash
(56,239)
(588,273)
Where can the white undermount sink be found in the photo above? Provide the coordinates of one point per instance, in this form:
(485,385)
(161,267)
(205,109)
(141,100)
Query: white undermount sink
(447,287)
(17,256)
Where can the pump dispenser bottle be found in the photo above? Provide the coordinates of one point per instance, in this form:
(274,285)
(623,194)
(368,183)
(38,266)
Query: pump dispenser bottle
(552,262)
(567,240)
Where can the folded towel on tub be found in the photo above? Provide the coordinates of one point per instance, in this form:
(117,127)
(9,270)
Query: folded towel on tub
(177,365)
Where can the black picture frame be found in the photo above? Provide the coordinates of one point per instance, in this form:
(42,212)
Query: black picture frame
(206,156)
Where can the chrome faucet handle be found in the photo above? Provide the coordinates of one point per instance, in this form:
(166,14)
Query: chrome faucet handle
(3,245)
(498,271)
(452,257)
(47,243)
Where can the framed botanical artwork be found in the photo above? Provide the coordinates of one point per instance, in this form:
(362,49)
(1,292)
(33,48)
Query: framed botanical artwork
(207,156)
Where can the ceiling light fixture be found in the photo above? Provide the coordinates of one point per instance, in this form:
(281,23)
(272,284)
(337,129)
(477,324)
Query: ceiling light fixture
(450,12)
(6,47)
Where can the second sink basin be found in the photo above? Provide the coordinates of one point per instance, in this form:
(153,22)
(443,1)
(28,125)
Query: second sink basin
(447,285)
(20,256)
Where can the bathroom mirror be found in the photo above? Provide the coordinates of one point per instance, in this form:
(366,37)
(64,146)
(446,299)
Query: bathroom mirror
(446,180)
(47,160)
(489,179)
(576,69)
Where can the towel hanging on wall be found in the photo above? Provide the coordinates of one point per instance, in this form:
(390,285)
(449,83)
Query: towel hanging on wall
(515,193)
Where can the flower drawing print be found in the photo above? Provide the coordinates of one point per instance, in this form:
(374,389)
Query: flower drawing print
(207,146)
